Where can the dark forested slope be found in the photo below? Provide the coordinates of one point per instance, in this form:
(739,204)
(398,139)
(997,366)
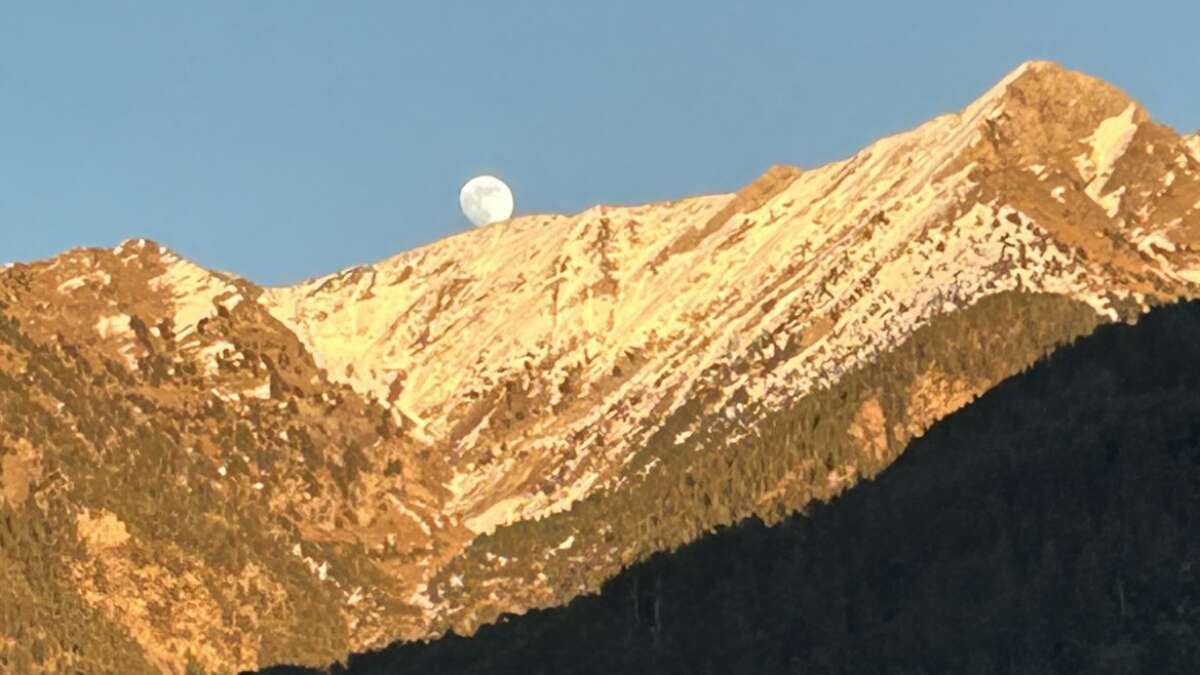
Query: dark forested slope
(1050,527)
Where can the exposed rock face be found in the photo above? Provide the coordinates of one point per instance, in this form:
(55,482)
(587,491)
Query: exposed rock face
(356,435)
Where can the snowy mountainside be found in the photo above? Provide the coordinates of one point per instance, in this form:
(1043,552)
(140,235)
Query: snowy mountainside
(556,342)
(505,418)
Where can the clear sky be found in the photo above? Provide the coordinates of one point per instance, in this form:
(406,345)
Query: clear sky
(281,140)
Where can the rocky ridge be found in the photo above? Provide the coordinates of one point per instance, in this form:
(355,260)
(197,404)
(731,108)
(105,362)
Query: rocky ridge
(367,446)
(622,309)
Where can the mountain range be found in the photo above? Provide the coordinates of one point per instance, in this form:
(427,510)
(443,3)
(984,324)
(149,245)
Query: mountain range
(201,473)
(1046,529)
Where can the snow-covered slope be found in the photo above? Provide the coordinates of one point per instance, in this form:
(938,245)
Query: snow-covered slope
(540,353)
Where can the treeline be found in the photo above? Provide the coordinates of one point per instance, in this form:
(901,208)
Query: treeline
(782,465)
(1050,527)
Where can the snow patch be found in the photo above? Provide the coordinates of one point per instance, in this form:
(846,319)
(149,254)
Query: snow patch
(194,291)
(1108,142)
(210,356)
(420,597)
(262,391)
(1156,240)
(1192,143)
(503,512)
(403,508)
(115,325)
(1111,202)
(100,277)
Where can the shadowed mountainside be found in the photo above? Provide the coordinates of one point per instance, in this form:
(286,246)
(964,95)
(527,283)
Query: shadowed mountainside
(1046,528)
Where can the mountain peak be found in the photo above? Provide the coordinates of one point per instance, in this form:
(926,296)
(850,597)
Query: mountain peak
(567,373)
(139,244)
(1041,108)
(1034,83)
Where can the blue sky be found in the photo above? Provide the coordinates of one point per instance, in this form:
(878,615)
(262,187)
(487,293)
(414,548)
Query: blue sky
(281,140)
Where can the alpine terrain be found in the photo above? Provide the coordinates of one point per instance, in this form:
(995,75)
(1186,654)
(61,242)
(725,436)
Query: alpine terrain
(1046,529)
(200,473)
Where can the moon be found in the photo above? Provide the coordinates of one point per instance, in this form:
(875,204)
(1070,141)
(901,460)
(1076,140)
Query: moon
(486,199)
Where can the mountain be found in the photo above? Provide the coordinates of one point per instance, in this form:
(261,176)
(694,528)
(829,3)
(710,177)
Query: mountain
(1046,528)
(200,472)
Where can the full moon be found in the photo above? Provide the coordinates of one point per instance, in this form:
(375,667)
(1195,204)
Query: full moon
(486,199)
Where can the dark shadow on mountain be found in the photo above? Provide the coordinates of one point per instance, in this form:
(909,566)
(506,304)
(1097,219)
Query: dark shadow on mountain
(1053,526)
